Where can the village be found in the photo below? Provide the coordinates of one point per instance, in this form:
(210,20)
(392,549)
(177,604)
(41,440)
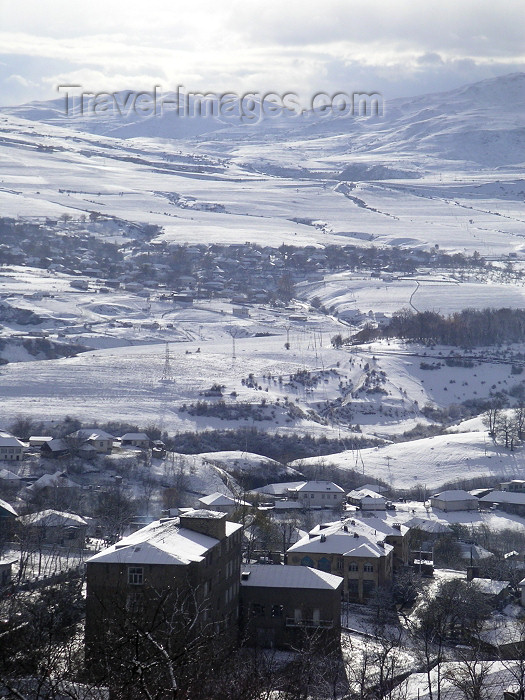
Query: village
(300,567)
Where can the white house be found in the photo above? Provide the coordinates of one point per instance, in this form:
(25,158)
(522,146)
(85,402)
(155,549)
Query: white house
(135,440)
(99,439)
(11,448)
(313,494)
(455,499)
(366,499)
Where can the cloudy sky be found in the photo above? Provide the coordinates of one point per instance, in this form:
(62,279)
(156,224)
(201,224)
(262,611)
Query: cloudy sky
(397,48)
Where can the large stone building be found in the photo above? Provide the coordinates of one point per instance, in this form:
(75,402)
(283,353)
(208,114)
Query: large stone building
(176,577)
(363,551)
(282,606)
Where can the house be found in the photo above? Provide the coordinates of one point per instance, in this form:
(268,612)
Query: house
(135,440)
(283,606)
(241,312)
(192,563)
(375,528)
(54,448)
(99,439)
(318,494)
(365,560)
(453,500)
(365,499)
(8,477)
(516,485)
(52,482)
(39,440)
(508,501)
(222,503)
(11,448)
(55,527)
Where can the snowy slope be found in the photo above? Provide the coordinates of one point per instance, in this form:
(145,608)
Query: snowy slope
(430,462)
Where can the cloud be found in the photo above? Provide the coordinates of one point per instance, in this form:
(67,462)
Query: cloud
(300,45)
(21,81)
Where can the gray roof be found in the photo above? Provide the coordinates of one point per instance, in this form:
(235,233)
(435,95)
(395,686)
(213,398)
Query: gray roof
(283,576)
(164,542)
(504,497)
(455,495)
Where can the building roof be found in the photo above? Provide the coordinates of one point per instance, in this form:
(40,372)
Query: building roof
(7,475)
(10,441)
(455,495)
(53,518)
(217,499)
(135,436)
(432,527)
(56,479)
(504,497)
(92,434)
(57,445)
(363,494)
(374,487)
(279,489)
(4,505)
(490,586)
(163,542)
(372,527)
(344,543)
(318,487)
(282,576)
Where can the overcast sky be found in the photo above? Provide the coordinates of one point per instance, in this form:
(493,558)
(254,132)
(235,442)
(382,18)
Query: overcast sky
(397,48)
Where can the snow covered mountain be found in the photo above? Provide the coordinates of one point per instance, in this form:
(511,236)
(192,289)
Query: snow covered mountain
(482,123)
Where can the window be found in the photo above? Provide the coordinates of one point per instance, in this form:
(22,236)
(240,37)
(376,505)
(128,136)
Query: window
(277,610)
(368,568)
(368,587)
(324,565)
(307,561)
(353,566)
(135,575)
(317,616)
(353,587)
(257,610)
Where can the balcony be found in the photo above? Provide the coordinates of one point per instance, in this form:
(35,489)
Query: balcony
(324,624)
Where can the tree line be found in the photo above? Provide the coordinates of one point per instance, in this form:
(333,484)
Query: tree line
(468,328)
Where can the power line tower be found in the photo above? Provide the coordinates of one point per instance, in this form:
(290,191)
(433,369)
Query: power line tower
(167,375)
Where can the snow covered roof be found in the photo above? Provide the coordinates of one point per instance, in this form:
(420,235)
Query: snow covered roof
(504,497)
(93,434)
(135,436)
(56,444)
(473,551)
(345,543)
(53,518)
(370,527)
(10,441)
(220,499)
(7,475)
(161,542)
(455,495)
(280,489)
(374,487)
(429,526)
(364,494)
(283,576)
(4,505)
(56,479)
(318,487)
(489,586)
